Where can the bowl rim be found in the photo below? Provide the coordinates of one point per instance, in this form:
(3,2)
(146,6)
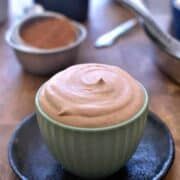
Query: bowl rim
(157,44)
(99,129)
(29,49)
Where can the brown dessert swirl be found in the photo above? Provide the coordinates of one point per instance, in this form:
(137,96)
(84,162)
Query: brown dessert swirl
(92,96)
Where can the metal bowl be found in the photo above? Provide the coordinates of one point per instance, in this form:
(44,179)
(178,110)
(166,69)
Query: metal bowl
(165,60)
(44,61)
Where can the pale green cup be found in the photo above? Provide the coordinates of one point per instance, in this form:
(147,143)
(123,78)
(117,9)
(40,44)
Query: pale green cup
(92,152)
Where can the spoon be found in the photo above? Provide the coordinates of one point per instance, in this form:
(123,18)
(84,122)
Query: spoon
(110,38)
(169,43)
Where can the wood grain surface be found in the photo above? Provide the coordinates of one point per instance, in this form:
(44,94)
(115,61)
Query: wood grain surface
(133,52)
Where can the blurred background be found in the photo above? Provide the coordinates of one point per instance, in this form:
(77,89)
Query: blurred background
(18,8)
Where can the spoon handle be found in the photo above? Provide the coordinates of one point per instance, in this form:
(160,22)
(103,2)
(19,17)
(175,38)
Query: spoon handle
(109,38)
(138,7)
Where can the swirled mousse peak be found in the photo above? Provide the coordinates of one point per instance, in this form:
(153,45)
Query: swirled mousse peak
(91,96)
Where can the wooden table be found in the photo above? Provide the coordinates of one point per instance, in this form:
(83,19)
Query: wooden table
(132,53)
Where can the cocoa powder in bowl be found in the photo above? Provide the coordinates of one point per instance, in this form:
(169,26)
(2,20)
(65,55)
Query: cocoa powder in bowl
(48,32)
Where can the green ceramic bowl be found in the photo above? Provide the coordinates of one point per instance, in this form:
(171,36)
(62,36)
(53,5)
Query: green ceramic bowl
(92,152)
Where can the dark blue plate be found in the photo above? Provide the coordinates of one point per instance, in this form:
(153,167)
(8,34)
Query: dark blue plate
(30,158)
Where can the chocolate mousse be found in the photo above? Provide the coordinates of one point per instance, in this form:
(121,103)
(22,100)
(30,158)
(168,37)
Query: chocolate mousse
(91,96)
